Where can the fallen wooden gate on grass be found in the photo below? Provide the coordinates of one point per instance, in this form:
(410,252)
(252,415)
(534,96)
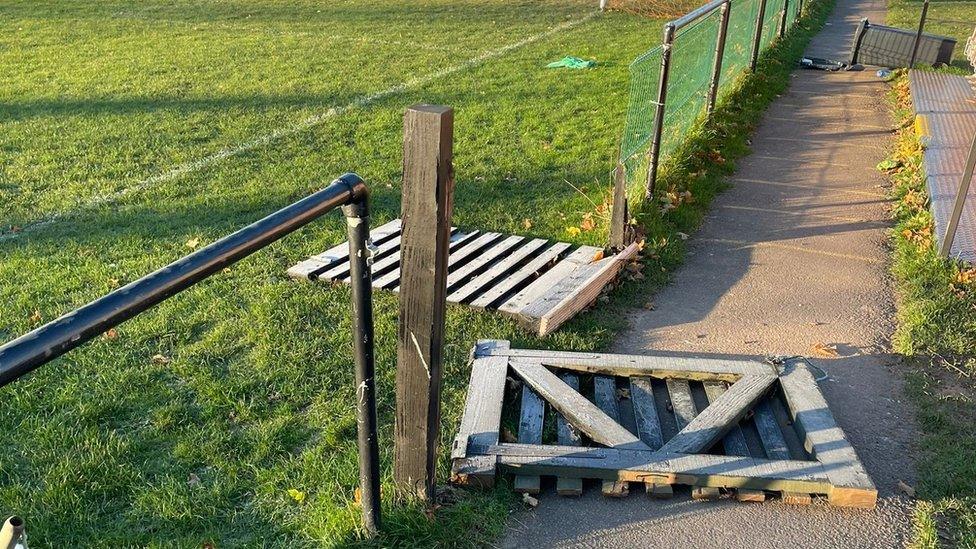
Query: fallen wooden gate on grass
(540,283)
(711,423)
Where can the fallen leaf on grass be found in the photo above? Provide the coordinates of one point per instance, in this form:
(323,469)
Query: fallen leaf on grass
(160,359)
(649,305)
(825,351)
(193,243)
(193,480)
(299,496)
(110,334)
(588,224)
(573,231)
(906,489)
(36,317)
(529,500)
(527,223)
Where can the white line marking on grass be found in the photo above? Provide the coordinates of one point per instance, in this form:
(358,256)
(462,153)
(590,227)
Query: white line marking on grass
(302,126)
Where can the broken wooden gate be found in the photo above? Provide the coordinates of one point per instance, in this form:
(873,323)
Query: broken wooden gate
(711,423)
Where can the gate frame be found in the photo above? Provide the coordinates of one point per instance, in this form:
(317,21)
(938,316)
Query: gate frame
(477,454)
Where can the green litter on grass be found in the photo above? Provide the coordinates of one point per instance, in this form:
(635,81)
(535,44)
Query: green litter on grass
(570,62)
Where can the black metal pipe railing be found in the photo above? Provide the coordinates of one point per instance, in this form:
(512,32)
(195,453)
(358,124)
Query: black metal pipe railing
(27,353)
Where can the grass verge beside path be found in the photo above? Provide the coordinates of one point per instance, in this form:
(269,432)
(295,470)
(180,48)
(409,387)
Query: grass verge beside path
(226,414)
(937,332)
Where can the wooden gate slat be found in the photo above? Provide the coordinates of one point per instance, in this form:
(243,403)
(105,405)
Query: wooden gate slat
(581,256)
(852,487)
(496,271)
(645,365)
(481,422)
(582,413)
(769,433)
(530,432)
(648,427)
(389,248)
(645,412)
(392,278)
(734,442)
(567,435)
(685,412)
(561,301)
(605,396)
(484,258)
(708,427)
(339,253)
(529,270)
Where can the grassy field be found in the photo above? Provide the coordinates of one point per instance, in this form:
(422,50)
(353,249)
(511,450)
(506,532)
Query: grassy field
(226,415)
(953,18)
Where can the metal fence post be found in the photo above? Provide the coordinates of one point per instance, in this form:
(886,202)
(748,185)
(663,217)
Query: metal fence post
(918,35)
(719,54)
(757,35)
(360,278)
(782,20)
(662,95)
(961,193)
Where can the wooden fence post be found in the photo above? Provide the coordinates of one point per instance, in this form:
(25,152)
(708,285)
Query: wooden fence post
(428,196)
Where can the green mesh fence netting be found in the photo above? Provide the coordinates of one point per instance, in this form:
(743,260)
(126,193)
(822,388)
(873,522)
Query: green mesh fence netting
(689,78)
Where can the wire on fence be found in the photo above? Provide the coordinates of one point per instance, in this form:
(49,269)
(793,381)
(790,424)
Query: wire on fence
(689,58)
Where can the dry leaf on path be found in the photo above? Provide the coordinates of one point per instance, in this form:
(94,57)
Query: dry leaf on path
(824,350)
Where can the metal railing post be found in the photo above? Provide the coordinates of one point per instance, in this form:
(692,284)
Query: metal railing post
(360,278)
(662,95)
(757,35)
(719,54)
(961,193)
(918,35)
(782,20)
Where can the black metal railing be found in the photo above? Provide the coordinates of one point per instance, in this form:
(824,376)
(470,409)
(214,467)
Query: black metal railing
(31,351)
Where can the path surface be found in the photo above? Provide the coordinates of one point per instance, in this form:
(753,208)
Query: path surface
(791,256)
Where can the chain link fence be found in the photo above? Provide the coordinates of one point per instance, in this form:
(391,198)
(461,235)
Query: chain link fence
(674,85)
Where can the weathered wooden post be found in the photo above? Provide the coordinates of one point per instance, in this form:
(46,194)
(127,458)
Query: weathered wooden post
(428,196)
(619,215)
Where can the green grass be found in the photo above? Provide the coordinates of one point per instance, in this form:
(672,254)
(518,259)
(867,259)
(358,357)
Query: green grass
(952,18)
(191,424)
(937,331)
